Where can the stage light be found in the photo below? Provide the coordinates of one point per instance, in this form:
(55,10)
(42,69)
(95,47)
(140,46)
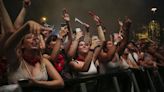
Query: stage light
(153,9)
(43,19)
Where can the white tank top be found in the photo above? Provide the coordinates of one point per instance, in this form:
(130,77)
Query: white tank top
(135,56)
(115,63)
(92,70)
(123,64)
(22,73)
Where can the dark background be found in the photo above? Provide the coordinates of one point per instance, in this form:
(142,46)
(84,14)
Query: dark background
(107,10)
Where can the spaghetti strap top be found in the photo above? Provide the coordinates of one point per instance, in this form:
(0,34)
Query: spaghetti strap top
(92,70)
(23,73)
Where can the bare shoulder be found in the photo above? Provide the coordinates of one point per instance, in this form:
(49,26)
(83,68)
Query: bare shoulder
(45,60)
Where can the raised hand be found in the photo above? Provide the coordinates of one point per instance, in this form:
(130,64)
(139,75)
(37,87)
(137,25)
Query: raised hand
(34,27)
(79,34)
(95,18)
(26,3)
(95,42)
(127,23)
(66,16)
(63,31)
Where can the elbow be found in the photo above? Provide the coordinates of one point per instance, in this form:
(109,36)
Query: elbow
(61,84)
(58,84)
(70,54)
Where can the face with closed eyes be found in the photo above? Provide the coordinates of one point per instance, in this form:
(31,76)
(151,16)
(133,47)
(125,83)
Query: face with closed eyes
(31,42)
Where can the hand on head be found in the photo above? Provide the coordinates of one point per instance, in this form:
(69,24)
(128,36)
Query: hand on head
(34,27)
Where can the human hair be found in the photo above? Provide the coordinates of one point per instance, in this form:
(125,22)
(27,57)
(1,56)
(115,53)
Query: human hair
(20,49)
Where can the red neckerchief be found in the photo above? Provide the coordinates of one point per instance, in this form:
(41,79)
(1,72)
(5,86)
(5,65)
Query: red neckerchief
(32,60)
(59,63)
(80,59)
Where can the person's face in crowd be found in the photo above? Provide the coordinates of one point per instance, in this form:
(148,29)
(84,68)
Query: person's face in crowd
(83,47)
(109,44)
(95,38)
(52,43)
(131,46)
(31,42)
(46,32)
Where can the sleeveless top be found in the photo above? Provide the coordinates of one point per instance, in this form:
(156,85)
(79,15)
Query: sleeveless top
(92,70)
(133,58)
(115,63)
(110,66)
(23,73)
(124,64)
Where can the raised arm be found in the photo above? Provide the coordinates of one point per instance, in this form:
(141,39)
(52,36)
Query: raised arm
(66,18)
(28,27)
(105,56)
(99,26)
(7,23)
(87,37)
(56,49)
(125,27)
(20,18)
(73,48)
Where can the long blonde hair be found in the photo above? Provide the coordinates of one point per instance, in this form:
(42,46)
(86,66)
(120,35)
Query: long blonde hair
(19,48)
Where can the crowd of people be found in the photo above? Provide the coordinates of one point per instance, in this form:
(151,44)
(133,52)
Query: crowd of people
(34,54)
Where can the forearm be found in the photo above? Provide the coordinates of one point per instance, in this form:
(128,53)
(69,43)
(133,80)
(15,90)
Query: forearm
(2,33)
(56,49)
(20,18)
(7,23)
(17,36)
(87,37)
(73,48)
(96,53)
(101,33)
(124,42)
(50,84)
(68,44)
(87,61)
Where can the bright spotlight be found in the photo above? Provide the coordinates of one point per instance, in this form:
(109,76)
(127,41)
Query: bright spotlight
(43,19)
(153,9)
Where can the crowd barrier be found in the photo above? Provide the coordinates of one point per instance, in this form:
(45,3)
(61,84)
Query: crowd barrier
(154,82)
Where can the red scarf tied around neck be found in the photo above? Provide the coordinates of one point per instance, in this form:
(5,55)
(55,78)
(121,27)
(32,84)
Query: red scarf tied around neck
(32,60)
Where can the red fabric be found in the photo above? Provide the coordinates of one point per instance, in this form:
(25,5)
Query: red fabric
(80,59)
(31,59)
(59,63)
